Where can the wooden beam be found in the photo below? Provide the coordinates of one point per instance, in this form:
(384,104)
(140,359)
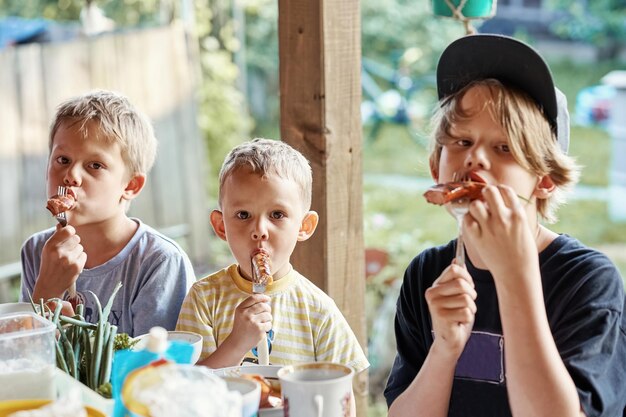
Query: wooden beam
(320,93)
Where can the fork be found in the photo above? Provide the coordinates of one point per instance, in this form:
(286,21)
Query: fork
(262,347)
(61,217)
(459,209)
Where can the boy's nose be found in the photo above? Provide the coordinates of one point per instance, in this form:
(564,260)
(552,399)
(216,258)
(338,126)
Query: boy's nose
(70,182)
(258,235)
(477,158)
(71,178)
(259,232)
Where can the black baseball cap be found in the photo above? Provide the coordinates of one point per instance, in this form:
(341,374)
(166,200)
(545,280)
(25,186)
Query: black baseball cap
(514,63)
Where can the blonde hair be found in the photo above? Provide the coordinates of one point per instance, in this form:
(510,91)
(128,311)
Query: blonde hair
(531,139)
(118,122)
(267,156)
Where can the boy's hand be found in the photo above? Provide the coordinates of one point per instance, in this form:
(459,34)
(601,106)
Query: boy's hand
(253,318)
(66,307)
(499,230)
(451,301)
(62,260)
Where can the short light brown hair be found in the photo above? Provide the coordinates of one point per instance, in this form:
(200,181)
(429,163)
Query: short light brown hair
(117,121)
(267,156)
(532,141)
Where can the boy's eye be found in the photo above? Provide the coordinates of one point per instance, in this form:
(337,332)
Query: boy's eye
(504,148)
(96,165)
(277,215)
(464,142)
(61,160)
(242,215)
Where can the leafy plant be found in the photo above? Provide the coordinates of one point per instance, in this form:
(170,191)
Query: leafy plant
(85,350)
(599,22)
(223,116)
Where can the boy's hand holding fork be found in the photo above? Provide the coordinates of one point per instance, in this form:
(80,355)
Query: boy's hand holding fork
(451,301)
(62,260)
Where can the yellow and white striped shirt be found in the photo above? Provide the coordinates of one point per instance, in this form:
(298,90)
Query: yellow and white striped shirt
(308,326)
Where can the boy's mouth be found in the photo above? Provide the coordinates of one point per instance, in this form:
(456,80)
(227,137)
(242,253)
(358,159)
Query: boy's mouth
(473,176)
(259,250)
(468,176)
(69,192)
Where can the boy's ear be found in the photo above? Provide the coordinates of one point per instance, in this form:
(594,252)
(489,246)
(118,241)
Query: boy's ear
(134,186)
(544,187)
(308,226)
(217,221)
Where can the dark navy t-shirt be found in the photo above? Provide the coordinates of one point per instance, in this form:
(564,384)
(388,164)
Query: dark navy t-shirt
(584,299)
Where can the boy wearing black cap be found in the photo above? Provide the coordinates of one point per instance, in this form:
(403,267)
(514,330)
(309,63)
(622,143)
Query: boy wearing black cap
(533,324)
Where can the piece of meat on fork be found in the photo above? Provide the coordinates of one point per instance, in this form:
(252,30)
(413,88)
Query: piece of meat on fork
(261,271)
(261,278)
(60,203)
(445,193)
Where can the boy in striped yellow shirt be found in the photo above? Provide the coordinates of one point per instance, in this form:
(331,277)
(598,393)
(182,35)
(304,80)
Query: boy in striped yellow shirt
(265,189)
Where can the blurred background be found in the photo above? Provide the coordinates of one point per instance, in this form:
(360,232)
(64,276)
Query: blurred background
(206,72)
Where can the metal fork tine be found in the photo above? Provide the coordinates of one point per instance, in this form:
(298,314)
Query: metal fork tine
(61,217)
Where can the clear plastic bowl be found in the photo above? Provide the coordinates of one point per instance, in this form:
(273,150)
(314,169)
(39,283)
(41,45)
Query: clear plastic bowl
(27,357)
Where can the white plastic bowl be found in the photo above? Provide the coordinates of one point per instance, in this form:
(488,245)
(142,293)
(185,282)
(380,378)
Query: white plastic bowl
(190,337)
(250,393)
(270,372)
(7,308)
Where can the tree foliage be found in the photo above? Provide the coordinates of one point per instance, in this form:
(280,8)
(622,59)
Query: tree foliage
(395,33)
(223,115)
(599,22)
(223,119)
(125,13)
(405,32)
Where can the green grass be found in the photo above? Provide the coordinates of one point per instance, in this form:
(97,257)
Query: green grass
(591,148)
(571,77)
(396,150)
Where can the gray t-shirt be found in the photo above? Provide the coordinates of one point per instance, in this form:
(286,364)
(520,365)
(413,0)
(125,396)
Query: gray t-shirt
(154,271)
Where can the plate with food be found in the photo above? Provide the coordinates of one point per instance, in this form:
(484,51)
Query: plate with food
(271,403)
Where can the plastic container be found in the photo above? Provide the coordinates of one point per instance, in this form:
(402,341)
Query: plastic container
(27,357)
(156,349)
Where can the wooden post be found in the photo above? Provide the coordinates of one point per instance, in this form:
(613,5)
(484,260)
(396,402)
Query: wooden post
(320,93)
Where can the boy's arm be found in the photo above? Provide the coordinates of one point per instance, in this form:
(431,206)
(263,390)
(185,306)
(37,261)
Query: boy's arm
(535,369)
(452,308)
(430,390)
(226,355)
(538,384)
(30,258)
(251,320)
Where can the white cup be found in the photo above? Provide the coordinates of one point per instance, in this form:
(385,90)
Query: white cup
(317,389)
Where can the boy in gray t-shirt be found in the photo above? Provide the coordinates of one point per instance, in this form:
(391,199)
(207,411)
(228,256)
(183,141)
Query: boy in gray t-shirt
(101,149)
